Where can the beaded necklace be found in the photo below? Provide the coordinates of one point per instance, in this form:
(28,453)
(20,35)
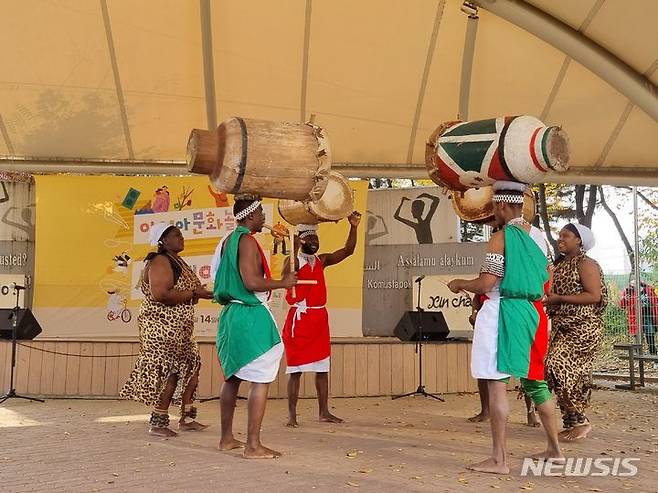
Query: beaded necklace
(518,221)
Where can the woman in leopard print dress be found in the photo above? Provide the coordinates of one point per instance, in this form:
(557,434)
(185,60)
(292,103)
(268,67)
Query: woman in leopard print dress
(575,306)
(167,367)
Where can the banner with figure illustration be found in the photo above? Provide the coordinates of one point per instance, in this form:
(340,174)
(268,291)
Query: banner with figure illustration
(92,236)
(410,232)
(435,296)
(410,216)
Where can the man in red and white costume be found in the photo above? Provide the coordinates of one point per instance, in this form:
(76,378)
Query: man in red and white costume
(306,334)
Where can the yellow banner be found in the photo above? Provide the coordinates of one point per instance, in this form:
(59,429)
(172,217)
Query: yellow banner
(92,235)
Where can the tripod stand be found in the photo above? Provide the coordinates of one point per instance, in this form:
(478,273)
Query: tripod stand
(419,349)
(11,393)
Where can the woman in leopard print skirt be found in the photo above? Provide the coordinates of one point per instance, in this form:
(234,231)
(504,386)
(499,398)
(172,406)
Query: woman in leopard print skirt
(575,306)
(167,367)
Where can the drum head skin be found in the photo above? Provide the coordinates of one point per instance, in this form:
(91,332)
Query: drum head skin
(336,203)
(475,206)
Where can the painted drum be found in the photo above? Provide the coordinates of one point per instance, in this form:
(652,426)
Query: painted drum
(271,159)
(336,203)
(463,155)
(474,205)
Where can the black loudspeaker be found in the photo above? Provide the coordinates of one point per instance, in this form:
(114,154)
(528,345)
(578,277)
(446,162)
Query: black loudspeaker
(26,330)
(434,326)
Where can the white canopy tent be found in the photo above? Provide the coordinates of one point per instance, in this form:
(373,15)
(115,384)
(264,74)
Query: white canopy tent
(92,86)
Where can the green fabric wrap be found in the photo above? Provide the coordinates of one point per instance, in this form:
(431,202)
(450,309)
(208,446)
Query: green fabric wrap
(525,274)
(246,329)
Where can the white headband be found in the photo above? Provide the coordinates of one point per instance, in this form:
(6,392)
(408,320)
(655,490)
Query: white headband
(514,186)
(508,197)
(245,212)
(586,236)
(156,232)
(304,230)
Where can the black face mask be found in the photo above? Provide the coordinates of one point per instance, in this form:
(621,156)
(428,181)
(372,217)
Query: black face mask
(310,249)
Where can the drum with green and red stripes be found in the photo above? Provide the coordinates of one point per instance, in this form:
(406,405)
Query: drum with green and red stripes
(463,155)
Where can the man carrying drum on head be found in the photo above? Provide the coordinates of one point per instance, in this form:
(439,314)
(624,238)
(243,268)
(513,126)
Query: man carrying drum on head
(306,332)
(511,329)
(248,342)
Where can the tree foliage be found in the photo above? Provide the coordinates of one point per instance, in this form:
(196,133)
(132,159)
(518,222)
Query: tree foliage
(559,204)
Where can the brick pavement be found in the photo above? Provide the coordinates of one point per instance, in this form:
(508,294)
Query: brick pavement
(411,444)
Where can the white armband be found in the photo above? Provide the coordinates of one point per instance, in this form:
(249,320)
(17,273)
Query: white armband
(494,264)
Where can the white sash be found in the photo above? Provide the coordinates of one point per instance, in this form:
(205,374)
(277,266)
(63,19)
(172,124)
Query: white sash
(266,305)
(300,309)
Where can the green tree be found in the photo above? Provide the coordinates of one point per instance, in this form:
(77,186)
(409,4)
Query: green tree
(558,204)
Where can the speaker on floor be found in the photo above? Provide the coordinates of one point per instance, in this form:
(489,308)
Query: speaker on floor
(434,326)
(27,328)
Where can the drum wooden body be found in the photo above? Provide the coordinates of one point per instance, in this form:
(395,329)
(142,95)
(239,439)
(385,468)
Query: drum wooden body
(463,155)
(336,203)
(270,159)
(474,205)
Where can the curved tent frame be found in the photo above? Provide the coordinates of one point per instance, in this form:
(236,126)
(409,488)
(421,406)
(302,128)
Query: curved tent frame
(626,155)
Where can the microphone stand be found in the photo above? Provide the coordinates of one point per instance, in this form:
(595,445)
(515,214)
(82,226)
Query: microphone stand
(419,349)
(11,393)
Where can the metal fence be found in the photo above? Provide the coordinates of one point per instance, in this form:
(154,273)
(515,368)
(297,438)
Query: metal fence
(620,321)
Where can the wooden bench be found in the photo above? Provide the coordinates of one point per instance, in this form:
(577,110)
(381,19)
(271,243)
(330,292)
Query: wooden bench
(634,354)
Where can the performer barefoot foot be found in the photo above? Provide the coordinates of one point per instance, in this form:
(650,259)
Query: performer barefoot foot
(491,466)
(260,452)
(162,432)
(561,436)
(292,422)
(230,444)
(578,432)
(191,426)
(479,418)
(327,417)
(533,421)
(549,454)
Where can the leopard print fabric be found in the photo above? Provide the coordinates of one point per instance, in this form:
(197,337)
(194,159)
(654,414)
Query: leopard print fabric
(167,344)
(576,335)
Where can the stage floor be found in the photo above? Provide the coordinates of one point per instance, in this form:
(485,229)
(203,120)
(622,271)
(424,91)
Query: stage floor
(412,444)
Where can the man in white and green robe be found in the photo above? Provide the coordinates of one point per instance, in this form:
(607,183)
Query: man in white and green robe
(248,343)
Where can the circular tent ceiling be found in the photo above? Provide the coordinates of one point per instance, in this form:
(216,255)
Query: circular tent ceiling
(116,86)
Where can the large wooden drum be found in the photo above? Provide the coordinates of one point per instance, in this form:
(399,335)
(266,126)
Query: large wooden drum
(463,155)
(336,203)
(474,205)
(271,159)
